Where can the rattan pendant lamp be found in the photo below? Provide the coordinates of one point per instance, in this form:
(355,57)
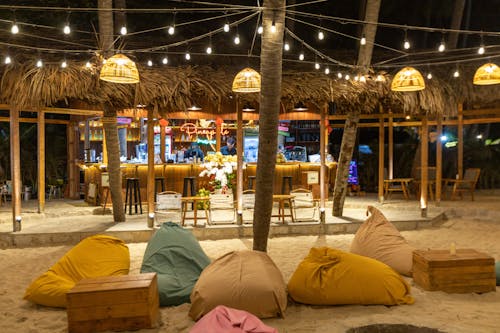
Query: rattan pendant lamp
(408,79)
(487,74)
(247,81)
(119,69)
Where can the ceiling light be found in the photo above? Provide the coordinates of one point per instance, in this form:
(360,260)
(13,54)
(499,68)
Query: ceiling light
(194,107)
(406,45)
(347,77)
(88,64)
(487,74)
(408,79)
(248,107)
(119,69)
(339,75)
(362,78)
(456,73)
(246,81)
(14,29)
(300,107)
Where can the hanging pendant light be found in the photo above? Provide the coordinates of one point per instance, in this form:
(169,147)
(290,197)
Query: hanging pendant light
(119,69)
(248,107)
(300,107)
(487,74)
(408,79)
(247,81)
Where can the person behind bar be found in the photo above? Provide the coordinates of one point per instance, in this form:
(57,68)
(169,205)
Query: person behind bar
(195,152)
(229,148)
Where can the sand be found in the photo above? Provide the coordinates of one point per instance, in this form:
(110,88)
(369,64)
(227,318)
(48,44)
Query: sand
(446,312)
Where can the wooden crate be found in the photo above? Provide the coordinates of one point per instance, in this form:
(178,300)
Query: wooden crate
(467,271)
(113,303)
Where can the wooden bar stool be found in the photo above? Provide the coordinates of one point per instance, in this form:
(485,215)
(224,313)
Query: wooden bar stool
(189,186)
(286,180)
(133,195)
(250,182)
(159,185)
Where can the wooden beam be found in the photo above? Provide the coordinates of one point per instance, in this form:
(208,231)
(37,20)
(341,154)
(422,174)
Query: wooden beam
(41,162)
(35,120)
(81,112)
(15,169)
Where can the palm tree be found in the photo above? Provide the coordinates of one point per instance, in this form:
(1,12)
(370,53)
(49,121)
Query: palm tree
(270,70)
(109,119)
(351,124)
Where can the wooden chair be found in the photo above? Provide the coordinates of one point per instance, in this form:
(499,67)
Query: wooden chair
(467,184)
(304,205)
(248,204)
(168,203)
(221,208)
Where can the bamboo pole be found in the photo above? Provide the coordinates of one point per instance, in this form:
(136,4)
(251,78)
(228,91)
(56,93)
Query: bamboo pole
(322,145)
(381,138)
(41,161)
(15,169)
(439,159)
(239,153)
(390,152)
(460,137)
(151,168)
(424,140)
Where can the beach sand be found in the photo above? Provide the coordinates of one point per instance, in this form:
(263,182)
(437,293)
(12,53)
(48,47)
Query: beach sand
(446,312)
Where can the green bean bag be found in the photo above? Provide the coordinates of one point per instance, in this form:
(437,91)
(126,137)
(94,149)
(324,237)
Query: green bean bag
(177,258)
(497,269)
(94,256)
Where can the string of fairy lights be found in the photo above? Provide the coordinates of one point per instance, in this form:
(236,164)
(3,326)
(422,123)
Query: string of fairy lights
(229,20)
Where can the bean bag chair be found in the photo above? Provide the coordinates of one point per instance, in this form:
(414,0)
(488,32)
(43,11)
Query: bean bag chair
(177,258)
(377,238)
(244,280)
(497,269)
(223,319)
(329,276)
(94,256)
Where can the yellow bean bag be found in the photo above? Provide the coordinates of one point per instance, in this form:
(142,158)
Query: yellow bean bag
(329,276)
(94,256)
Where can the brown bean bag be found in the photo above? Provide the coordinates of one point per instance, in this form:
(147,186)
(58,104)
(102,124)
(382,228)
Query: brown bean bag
(244,280)
(377,238)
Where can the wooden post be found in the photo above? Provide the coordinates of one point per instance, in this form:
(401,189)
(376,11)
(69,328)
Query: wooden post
(239,152)
(162,143)
(390,152)
(151,168)
(41,161)
(73,170)
(424,140)
(381,139)
(460,137)
(218,130)
(439,158)
(15,168)
(322,150)
(104,149)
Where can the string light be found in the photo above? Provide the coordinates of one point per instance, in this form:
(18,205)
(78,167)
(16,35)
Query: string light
(273,27)
(406,44)
(260,30)
(14,29)
(286,46)
(7,60)
(327,71)
(347,77)
(88,64)
(209,47)
(301,56)
(67,29)
(442,45)
(150,63)
(362,78)
(456,73)
(123,30)
(481,49)
(321,35)
(237,40)
(39,63)
(64,64)
(362,41)
(429,76)
(339,75)
(171,28)
(226,27)
(316,65)
(187,56)
(164,60)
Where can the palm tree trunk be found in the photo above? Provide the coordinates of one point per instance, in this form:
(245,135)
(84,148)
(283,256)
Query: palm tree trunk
(270,69)
(351,124)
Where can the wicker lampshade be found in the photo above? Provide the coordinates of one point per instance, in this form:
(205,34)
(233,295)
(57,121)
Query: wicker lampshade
(119,69)
(246,81)
(408,79)
(487,74)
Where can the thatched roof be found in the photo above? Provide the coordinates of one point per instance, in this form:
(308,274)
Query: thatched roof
(176,88)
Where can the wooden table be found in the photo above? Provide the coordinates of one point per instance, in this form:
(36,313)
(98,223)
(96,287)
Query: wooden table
(397,185)
(185,201)
(282,199)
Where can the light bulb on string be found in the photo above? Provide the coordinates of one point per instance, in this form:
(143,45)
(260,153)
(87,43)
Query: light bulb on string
(406,43)
(88,64)
(123,30)
(327,71)
(362,41)
(321,35)
(226,27)
(209,50)
(7,60)
(429,76)
(347,77)
(480,50)
(362,78)
(356,78)
(456,73)
(187,56)
(316,65)
(164,60)
(286,46)
(339,75)
(260,30)
(301,56)
(171,28)
(273,27)
(64,64)
(150,63)
(14,29)
(237,40)
(39,63)
(442,45)
(66,29)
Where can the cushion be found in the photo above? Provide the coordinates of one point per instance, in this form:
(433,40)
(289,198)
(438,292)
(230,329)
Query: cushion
(94,256)
(244,280)
(497,269)
(177,258)
(223,319)
(377,238)
(329,276)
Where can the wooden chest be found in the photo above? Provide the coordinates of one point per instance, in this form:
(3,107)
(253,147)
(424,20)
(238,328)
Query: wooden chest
(467,271)
(113,303)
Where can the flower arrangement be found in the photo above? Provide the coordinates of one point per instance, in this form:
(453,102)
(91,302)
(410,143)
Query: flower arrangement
(220,170)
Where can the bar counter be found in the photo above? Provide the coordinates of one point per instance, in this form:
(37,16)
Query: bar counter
(173,176)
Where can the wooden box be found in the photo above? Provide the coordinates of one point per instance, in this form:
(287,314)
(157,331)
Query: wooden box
(113,303)
(465,272)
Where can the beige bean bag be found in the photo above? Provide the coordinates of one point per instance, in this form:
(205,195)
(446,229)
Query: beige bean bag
(244,280)
(377,238)
(329,276)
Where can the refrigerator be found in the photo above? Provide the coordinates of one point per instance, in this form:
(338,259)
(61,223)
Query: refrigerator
(250,144)
(168,146)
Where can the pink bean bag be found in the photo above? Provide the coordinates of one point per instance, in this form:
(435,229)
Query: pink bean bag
(228,320)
